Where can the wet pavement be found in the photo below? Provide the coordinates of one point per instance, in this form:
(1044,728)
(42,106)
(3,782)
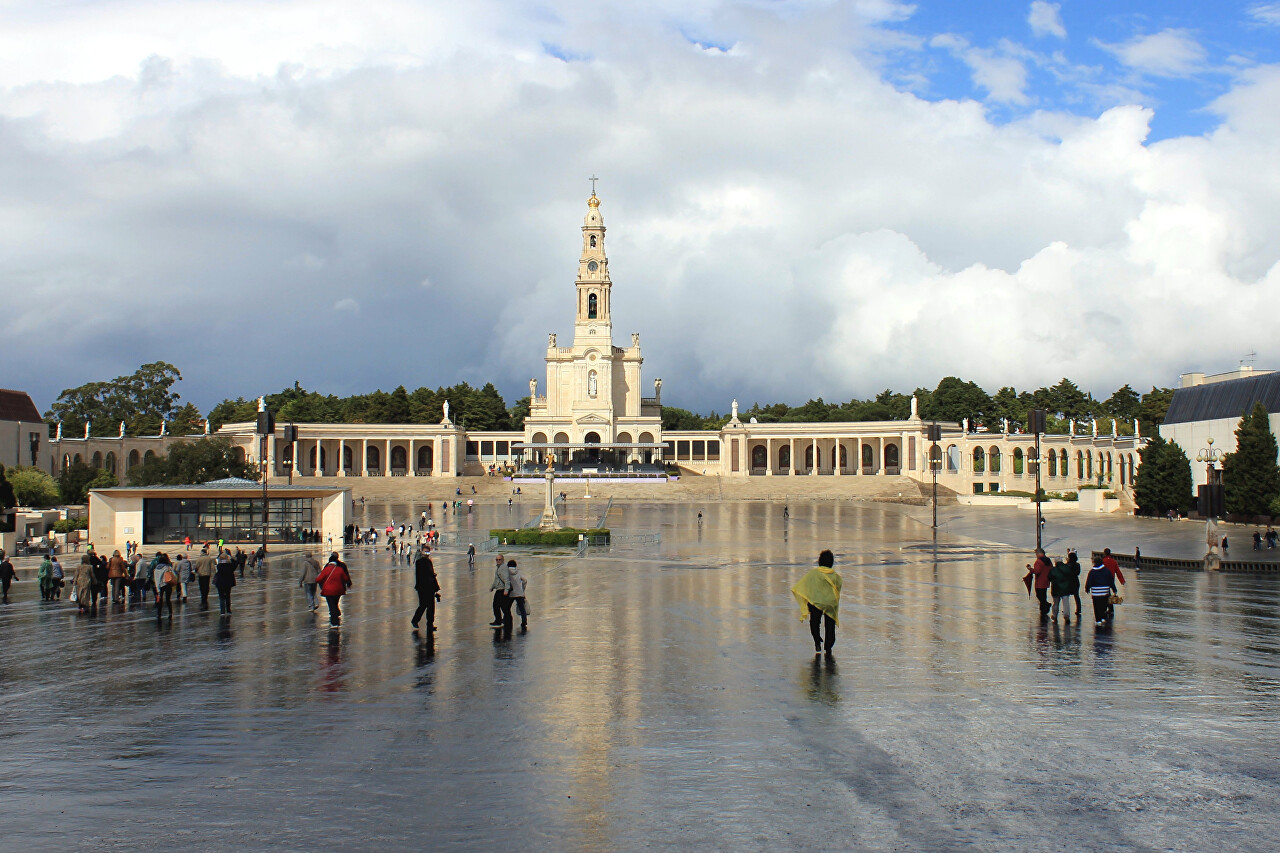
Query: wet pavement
(666,696)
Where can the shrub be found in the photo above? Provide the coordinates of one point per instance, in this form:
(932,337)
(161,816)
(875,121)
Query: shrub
(32,487)
(568,537)
(66,525)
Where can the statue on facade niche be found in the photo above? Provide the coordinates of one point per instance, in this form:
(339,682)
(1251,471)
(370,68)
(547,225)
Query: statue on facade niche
(446,412)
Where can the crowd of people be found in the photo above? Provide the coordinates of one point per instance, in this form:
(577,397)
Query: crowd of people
(1062,580)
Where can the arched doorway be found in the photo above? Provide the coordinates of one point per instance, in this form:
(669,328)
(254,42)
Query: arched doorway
(979,460)
(426,459)
(627,454)
(562,456)
(810,463)
(323,459)
(759,457)
(1079,465)
(148,456)
(1019,461)
(646,455)
(1053,463)
(784,457)
(134,459)
(892,457)
(591,454)
(348,459)
(373,460)
(844,458)
(993,459)
(96,462)
(399,459)
(110,462)
(953,457)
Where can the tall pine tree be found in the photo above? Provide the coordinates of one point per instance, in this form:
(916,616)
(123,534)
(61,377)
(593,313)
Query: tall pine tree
(1163,481)
(1250,476)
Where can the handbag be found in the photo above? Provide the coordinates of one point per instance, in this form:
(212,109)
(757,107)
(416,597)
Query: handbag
(1116,598)
(73,597)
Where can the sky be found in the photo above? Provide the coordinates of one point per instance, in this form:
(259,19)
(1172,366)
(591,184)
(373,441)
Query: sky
(804,198)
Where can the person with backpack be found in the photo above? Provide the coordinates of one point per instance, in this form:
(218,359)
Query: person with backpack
(166,579)
(117,576)
(1100,583)
(515,592)
(334,580)
(1064,581)
(224,578)
(818,594)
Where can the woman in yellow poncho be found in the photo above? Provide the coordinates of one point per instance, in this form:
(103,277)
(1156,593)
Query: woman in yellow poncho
(818,593)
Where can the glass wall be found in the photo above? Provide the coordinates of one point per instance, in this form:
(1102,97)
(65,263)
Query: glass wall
(233,519)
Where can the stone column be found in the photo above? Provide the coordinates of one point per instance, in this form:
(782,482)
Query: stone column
(412,468)
(364,457)
(319,470)
(835,458)
(791,442)
(297,460)
(768,448)
(342,457)
(386,458)
(813,469)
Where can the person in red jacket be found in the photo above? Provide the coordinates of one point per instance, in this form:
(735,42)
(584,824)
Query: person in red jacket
(1112,566)
(1040,569)
(334,580)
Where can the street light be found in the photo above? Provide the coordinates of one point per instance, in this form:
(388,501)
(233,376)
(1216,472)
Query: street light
(266,427)
(291,439)
(1036,421)
(1210,495)
(934,435)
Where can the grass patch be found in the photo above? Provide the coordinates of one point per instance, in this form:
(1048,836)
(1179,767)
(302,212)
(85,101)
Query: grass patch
(568,537)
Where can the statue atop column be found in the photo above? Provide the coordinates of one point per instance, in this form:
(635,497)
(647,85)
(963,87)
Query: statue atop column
(551,341)
(533,390)
(1094,424)
(1005,425)
(206,426)
(734,409)
(915,408)
(657,391)
(1071,427)
(445,408)
(162,429)
(1115,429)
(122,429)
(1137,428)
(965,425)
(58,437)
(87,424)
(635,339)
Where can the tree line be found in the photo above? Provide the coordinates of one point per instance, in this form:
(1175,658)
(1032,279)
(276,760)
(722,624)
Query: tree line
(958,400)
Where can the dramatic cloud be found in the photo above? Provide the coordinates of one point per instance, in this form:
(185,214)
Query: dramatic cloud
(784,222)
(1045,19)
(1168,53)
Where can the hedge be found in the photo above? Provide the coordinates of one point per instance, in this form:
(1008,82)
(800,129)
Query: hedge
(533,536)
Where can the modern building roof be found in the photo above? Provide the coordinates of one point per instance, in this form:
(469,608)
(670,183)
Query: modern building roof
(1220,400)
(17,406)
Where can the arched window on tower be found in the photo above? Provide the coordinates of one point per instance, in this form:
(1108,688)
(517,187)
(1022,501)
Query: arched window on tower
(593,241)
(592,304)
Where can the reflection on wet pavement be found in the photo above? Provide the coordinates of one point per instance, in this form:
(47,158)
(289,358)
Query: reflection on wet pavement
(665,696)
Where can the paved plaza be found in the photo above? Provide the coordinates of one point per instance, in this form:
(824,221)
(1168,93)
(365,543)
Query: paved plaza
(665,697)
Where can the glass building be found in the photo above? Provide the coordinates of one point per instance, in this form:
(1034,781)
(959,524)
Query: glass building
(170,520)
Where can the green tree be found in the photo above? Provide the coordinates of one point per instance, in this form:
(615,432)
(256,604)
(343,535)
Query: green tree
(192,463)
(32,487)
(1155,405)
(1250,476)
(1163,481)
(517,413)
(140,401)
(187,420)
(677,418)
(7,498)
(1124,403)
(955,399)
(236,411)
(75,480)
(1067,399)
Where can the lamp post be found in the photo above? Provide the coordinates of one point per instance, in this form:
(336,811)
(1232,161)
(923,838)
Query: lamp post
(266,427)
(290,439)
(1210,494)
(1036,420)
(934,435)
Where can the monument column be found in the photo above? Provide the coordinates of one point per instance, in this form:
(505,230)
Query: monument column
(857,457)
(386,458)
(412,466)
(791,442)
(318,471)
(342,457)
(364,457)
(297,460)
(768,452)
(813,469)
(835,459)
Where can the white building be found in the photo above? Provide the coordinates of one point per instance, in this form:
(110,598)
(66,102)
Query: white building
(1206,408)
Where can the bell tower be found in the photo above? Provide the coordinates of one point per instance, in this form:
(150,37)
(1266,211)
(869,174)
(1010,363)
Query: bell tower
(593,323)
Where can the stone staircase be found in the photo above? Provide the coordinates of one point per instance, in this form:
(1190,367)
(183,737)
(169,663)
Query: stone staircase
(690,488)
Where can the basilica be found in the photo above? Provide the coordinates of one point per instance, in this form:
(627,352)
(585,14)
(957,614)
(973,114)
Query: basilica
(591,420)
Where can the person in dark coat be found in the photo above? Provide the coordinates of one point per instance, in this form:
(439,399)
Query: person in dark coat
(1040,571)
(428,587)
(1100,583)
(100,571)
(1060,578)
(7,575)
(1073,570)
(224,578)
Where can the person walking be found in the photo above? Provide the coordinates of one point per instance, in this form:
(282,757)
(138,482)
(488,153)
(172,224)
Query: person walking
(7,576)
(166,578)
(117,574)
(204,566)
(334,580)
(44,578)
(1073,569)
(186,574)
(818,594)
(471,556)
(516,591)
(99,566)
(186,540)
(224,578)
(310,571)
(501,604)
(1060,585)
(1100,583)
(1112,565)
(1040,572)
(428,587)
(56,577)
(82,585)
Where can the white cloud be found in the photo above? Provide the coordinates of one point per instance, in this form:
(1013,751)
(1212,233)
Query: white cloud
(1168,53)
(1267,13)
(783,222)
(1046,20)
(1000,73)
